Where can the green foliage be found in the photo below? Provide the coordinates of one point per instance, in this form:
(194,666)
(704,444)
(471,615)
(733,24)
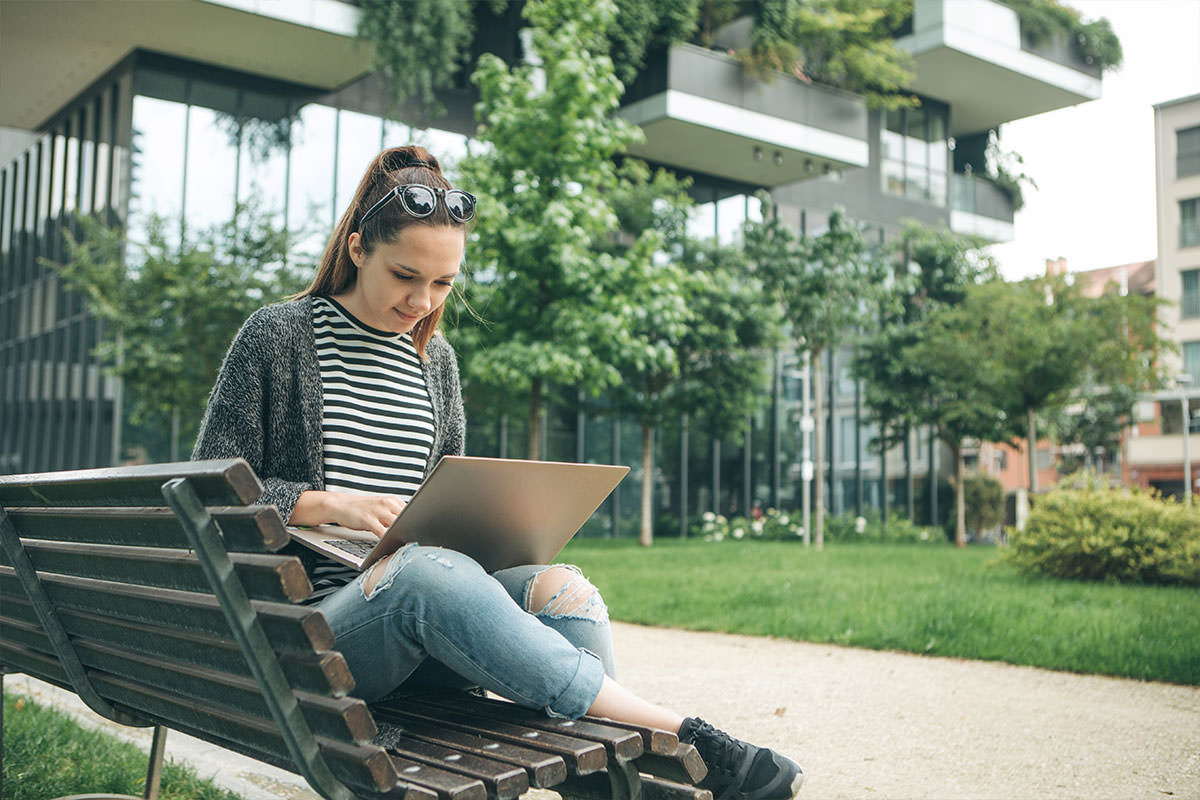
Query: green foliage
(559,312)
(842,43)
(1125,536)
(640,26)
(774,525)
(47,754)
(984,496)
(170,309)
(1043,20)
(420,45)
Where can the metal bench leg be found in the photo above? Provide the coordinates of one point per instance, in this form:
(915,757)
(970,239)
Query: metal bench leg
(158,748)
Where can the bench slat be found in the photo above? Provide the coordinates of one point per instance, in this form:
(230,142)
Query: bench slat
(324,673)
(225,482)
(620,744)
(685,766)
(279,579)
(343,718)
(582,757)
(503,781)
(247,529)
(448,785)
(288,627)
(543,769)
(656,788)
(357,765)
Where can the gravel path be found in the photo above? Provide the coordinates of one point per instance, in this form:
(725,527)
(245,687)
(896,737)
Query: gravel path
(865,724)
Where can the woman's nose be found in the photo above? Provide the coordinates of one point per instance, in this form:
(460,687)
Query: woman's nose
(419,298)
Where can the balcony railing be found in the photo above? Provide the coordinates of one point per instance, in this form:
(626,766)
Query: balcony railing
(980,196)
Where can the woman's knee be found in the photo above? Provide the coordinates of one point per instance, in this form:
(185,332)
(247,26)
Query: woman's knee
(561,591)
(426,569)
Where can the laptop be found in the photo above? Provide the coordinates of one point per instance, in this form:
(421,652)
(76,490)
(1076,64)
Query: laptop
(501,512)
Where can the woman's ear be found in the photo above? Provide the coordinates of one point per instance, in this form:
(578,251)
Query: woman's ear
(355,248)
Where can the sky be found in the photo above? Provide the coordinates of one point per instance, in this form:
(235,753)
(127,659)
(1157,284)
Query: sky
(1094,163)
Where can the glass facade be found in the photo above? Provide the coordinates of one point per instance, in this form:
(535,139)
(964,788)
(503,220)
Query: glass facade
(916,153)
(56,406)
(165,138)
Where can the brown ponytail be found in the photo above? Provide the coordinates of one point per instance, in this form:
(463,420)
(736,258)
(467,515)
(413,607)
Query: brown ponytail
(393,167)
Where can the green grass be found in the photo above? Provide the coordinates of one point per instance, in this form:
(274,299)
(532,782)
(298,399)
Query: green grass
(48,754)
(922,599)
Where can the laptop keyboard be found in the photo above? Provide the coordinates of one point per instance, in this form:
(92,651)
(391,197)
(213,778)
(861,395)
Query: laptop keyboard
(360,549)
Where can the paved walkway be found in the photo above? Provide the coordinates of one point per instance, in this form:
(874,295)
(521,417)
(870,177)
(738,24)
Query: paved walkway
(871,725)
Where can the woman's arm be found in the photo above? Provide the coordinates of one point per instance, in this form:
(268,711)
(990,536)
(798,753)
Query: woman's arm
(235,420)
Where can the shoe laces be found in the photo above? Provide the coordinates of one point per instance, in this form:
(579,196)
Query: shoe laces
(719,750)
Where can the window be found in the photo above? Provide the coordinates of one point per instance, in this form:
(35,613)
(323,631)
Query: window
(915,153)
(1189,301)
(1189,222)
(1187,152)
(1191,361)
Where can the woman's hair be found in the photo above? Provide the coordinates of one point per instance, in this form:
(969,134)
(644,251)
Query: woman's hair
(393,167)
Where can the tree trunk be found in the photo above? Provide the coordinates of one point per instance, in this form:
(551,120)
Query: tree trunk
(960,497)
(1031,437)
(818,453)
(646,537)
(535,419)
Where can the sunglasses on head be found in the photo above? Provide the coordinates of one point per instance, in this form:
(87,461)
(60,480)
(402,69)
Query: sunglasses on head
(419,201)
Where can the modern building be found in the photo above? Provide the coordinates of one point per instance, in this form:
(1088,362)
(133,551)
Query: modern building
(184,108)
(1156,456)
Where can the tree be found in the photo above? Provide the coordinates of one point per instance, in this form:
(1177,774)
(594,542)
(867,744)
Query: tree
(827,286)
(950,359)
(557,311)
(171,308)
(645,202)
(936,267)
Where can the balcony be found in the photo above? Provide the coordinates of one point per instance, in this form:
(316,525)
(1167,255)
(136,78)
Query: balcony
(971,54)
(52,51)
(701,112)
(979,207)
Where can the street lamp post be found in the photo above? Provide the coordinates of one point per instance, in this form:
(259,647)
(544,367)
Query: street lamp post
(1184,381)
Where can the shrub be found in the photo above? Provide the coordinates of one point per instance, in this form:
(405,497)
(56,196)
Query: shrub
(984,500)
(776,525)
(1109,535)
(773,525)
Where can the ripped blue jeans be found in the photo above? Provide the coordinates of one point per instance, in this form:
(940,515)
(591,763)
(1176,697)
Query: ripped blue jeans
(436,617)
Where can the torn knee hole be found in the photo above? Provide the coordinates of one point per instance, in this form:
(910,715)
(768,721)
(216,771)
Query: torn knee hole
(563,592)
(378,569)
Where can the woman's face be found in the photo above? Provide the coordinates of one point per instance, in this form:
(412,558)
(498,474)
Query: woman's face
(401,282)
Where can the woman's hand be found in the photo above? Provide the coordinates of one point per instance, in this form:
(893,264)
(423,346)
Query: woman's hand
(364,512)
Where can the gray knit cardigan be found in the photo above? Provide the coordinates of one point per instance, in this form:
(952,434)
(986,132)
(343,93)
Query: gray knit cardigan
(266,405)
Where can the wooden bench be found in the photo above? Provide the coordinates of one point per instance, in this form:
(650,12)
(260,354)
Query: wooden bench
(159,594)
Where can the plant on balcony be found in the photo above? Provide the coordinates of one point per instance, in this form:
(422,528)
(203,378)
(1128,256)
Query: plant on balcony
(422,46)
(1004,169)
(1046,20)
(843,43)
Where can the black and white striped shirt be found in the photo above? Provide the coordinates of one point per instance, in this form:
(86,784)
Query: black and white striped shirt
(377,420)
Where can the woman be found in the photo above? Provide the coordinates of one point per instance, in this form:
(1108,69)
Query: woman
(342,401)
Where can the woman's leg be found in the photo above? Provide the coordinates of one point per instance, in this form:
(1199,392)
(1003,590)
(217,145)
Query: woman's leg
(433,603)
(561,598)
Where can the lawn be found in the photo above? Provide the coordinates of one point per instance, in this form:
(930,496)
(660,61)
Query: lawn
(48,754)
(929,599)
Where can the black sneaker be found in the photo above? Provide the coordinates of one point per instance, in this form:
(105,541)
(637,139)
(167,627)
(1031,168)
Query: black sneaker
(738,770)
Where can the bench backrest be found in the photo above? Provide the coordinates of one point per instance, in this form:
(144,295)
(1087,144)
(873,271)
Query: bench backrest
(156,594)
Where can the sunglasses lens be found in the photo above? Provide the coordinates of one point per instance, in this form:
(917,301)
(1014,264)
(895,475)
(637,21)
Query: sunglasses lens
(460,205)
(418,201)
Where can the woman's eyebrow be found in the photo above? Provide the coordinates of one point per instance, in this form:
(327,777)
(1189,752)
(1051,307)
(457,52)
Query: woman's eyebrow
(417,272)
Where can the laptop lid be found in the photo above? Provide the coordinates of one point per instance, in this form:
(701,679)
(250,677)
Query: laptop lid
(501,512)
